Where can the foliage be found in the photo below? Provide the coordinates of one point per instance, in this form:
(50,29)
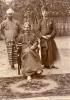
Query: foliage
(3,8)
(56,8)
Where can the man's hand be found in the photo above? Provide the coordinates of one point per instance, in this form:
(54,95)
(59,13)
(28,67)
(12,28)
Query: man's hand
(44,37)
(48,36)
(32,48)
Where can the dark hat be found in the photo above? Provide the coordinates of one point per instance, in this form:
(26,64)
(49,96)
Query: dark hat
(10,10)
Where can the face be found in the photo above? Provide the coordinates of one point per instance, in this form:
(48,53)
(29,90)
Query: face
(27,29)
(44,13)
(10,15)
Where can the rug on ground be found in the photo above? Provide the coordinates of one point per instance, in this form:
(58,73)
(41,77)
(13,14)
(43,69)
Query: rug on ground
(50,85)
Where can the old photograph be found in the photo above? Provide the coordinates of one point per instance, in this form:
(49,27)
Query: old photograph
(34,49)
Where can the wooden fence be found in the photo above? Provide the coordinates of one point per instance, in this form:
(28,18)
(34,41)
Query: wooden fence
(62,26)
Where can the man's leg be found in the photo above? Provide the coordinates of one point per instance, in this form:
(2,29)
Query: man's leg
(44,56)
(10,53)
(13,56)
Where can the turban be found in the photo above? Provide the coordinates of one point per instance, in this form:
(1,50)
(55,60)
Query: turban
(10,10)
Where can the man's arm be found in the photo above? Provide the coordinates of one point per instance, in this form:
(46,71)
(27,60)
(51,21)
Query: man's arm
(2,25)
(18,29)
(52,32)
(38,33)
(35,43)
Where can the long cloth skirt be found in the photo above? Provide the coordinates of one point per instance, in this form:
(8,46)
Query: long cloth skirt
(30,62)
(51,54)
(12,52)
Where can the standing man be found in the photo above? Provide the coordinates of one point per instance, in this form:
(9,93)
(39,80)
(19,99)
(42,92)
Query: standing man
(49,52)
(11,28)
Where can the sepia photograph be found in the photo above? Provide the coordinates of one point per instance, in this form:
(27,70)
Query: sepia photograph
(34,49)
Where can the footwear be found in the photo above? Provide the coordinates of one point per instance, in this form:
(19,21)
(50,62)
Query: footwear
(53,67)
(12,67)
(42,66)
(39,72)
(29,79)
(48,67)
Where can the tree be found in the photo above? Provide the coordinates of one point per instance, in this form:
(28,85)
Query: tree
(3,8)
(32,8)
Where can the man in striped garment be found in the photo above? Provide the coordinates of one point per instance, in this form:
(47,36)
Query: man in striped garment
(11,28)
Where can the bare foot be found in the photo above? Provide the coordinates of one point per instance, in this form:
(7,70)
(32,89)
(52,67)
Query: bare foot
(29,79)
(39,72)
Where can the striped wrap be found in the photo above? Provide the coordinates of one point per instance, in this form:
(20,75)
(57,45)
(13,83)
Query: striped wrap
(12,52)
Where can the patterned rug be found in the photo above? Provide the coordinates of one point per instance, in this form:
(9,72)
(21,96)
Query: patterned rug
(51,85)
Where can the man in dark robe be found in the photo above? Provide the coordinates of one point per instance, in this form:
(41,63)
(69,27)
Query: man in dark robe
(49,51)
(30,60)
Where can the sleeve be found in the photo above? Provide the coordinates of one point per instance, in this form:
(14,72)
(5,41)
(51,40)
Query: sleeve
(38,32)
(19,38)
(35,43)
(53,33)
(18,29)
(19,41)
(2,26)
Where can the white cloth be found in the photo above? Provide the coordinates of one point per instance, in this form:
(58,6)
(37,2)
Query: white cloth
(10,10)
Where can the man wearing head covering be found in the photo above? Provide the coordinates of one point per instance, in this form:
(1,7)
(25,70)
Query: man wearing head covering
(29,53)
(10,27)
(49,52)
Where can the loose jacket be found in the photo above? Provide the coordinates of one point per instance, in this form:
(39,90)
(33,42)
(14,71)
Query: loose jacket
(10,29)
(47,27)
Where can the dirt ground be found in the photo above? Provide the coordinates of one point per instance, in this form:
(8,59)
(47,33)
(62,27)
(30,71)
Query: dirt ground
(47,98)
(63,65)
(63,44)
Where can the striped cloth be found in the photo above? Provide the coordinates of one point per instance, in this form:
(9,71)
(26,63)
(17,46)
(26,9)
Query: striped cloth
(12,52)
